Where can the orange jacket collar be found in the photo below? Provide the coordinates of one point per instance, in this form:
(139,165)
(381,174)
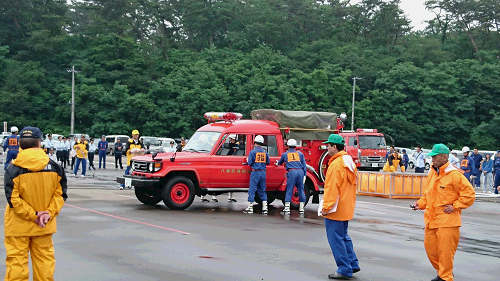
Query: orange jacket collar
(339,154)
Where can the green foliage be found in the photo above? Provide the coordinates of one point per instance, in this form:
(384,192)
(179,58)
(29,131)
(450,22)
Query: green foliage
(158,65)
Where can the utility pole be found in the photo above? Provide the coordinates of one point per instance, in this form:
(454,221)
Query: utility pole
(353,95)
(73,98)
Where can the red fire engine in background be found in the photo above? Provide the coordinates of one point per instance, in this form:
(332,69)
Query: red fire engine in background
(212,164)
(367,148)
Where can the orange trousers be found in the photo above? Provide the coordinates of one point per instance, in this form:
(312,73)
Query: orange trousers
(18,250)
(441,245)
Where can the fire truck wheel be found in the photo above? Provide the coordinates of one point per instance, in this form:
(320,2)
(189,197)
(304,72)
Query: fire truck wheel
(145,198)
(178,193)
(294,204)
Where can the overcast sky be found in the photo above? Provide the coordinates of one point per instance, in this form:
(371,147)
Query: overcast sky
(415,10)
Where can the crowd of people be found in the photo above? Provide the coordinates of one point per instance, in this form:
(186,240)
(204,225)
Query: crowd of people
(482,172)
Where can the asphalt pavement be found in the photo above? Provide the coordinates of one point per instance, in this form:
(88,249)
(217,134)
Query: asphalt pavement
(107,234)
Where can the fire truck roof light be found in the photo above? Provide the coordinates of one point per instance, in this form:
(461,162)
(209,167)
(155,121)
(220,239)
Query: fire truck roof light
(366,130)
(222,116)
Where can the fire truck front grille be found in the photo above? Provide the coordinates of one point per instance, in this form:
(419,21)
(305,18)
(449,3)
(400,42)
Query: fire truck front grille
(140,166)
(372,159)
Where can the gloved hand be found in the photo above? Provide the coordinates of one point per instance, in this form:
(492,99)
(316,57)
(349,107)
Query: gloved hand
(276,163)
(305,179)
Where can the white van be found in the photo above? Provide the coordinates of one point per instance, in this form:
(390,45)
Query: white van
(111,139)
(165,143)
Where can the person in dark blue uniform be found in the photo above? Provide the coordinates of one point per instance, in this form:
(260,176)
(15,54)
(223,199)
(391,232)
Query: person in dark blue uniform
(12,143)
(477,165)
(496,167)
(467,165)
(103,149)
(118,153)
(257,160)
(296,168)
(405,159)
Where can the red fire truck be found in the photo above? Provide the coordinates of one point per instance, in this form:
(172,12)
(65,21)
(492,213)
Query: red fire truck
(211,164)
(367,148)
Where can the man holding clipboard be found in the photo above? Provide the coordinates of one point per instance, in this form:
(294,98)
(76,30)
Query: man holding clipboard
(338,207)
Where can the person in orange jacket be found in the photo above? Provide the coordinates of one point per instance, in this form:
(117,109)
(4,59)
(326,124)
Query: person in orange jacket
(393,160)
(339,200)
(447,193)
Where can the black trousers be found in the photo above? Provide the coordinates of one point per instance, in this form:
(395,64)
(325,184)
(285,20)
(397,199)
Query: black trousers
(118,158)
(66,157)
(60,156)
(91,160)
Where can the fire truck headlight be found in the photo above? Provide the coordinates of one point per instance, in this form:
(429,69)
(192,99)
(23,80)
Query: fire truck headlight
(151,167)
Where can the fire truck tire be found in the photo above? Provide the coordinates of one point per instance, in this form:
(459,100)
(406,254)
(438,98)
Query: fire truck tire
(145,198)
(294,204)
(178,193)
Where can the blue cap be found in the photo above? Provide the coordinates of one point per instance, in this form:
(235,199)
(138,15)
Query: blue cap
(103,136)
(31,132)
(404,150)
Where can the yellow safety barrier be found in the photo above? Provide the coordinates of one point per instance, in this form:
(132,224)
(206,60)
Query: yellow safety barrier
(391,185)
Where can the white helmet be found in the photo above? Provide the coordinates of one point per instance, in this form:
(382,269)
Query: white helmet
(465,149)
(291,142)
(14,129)
(259,139)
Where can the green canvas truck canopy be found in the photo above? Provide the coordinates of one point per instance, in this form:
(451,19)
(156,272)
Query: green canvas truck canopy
(304,125)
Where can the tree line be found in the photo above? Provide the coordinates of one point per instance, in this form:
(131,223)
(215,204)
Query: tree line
(158,65)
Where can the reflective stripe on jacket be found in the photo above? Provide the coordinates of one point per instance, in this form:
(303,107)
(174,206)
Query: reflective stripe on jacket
(449,187)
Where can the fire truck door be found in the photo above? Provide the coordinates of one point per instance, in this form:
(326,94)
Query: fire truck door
(229,168)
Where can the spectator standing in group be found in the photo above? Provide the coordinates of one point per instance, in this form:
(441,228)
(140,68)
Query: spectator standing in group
(496,165)
(91,154)
(487,169)
(67,149)
(391,151)
(181,145)
(257,160)
(453,159)
(405,158)
(467,165)
(134,147)
(172,147)
(50,143)
(338,207)
(446,195)
(118,153)
(73,152)
(477,165)
(419,157)
(296,170)
(35,188)
(81,148)
(103,150)
(52,155)
(59,146)
(12,143)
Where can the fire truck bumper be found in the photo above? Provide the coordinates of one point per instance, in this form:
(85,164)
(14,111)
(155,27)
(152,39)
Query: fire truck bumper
(136,181)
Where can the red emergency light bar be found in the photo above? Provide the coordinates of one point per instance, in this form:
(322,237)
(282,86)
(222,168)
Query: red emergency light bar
(366,130)
(224,116)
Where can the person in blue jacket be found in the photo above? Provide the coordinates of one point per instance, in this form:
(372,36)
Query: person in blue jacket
(487,169)
(103,149)
(391,151)
(467,165)
(296,168)
(477,165)
(405,159)
(257,160)
(12,143)
(496,167)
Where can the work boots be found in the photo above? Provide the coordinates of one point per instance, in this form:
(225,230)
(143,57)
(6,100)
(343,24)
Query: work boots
(286,211)
(301,207)
(249,209)
(264,207)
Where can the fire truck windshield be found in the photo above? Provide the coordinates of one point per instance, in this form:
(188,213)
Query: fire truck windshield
(202,142)
(371,142)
